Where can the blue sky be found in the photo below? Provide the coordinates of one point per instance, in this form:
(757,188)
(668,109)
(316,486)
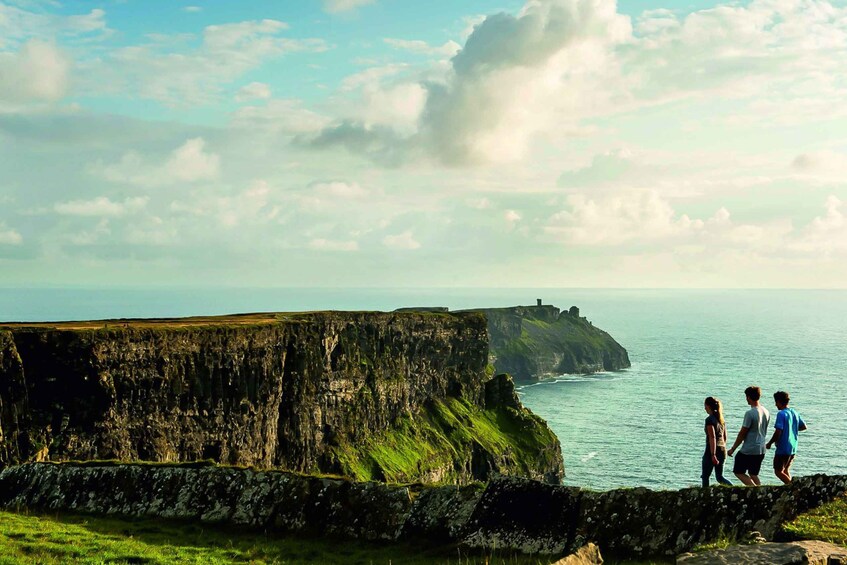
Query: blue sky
(379,142)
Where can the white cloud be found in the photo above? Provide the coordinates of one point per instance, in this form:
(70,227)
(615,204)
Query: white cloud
(509,79)
(405,240)
(169,71)
(253,91)
(448,49)
(9,236)
(481,203)
(614,220)
(827,234)
(37,72)
(512,218)
(192,9)
(821,165)
(188,163)
(101,206)
(339,6)
(19,24)
(558,63)
(339,189)
(322,244)
(279,116)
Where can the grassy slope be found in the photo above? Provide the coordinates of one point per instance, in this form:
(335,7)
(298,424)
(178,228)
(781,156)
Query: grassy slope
(442,434)
(825,523)
(57,540)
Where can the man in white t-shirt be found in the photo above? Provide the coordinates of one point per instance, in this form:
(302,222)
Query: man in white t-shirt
(753,434)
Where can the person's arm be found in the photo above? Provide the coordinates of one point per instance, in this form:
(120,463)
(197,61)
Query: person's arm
(775,438)
(712,441)
(802,425)
(778,426)
(742,433)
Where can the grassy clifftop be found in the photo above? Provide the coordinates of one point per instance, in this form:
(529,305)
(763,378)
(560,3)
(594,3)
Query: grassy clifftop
(533,341)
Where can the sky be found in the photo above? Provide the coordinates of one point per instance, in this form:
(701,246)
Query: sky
(392,143)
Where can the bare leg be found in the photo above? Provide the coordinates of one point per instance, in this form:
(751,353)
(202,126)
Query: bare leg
(783,476)
(755,480)
(745,479)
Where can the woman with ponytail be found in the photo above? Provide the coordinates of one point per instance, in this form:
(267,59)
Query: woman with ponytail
(715,442)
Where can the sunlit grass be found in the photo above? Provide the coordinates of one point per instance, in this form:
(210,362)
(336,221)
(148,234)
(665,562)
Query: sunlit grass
(825,523)
(30,539)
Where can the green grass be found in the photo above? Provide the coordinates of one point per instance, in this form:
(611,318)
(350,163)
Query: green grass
(444,433)
(825,523)
(29,539)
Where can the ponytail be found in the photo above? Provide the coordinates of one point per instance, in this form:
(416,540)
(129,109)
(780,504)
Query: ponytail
(716,407)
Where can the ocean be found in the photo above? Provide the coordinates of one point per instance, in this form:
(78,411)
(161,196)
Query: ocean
(638,427)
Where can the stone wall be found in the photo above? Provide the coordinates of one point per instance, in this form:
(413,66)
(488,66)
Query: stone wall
(507,513)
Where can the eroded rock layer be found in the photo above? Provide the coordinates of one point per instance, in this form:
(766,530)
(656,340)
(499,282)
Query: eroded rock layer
(368,395)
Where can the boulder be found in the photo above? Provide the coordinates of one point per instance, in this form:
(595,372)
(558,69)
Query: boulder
(801,552)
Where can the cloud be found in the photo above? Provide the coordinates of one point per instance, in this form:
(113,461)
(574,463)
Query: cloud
(510,74)
(37,72)
(101,206)
(340,6)
(19,24)
(618,219)
(322,244)
(338,189)
(827,234)
(512,218)
(610,167)
(448,49)
(9,236)
(188,163)
(502,86)
(405,241)
(169,71)
(192,9)
(280,116)
(556,64)
(251,206)
(253,91)
(821,165)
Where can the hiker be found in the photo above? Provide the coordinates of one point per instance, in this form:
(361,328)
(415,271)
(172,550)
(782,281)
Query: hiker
(715,454)
(786,430)
(753,433)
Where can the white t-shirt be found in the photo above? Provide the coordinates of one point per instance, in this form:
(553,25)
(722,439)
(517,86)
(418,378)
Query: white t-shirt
(756,420)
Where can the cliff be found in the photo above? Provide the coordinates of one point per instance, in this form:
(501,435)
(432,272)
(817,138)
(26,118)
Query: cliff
(506,514)
(395,397)
(534,341)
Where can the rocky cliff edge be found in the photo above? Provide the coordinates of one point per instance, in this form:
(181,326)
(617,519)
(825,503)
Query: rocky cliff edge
(387,396)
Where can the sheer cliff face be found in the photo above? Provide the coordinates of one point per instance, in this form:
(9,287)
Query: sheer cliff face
(286,391)
(534,341)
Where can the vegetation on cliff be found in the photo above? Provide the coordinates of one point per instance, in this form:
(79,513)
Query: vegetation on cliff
(534,341)
(450,439)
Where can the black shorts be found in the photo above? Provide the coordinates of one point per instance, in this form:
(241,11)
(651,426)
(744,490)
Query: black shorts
(748,464)
(783,462)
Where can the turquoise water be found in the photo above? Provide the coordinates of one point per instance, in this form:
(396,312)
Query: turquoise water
(643,426)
